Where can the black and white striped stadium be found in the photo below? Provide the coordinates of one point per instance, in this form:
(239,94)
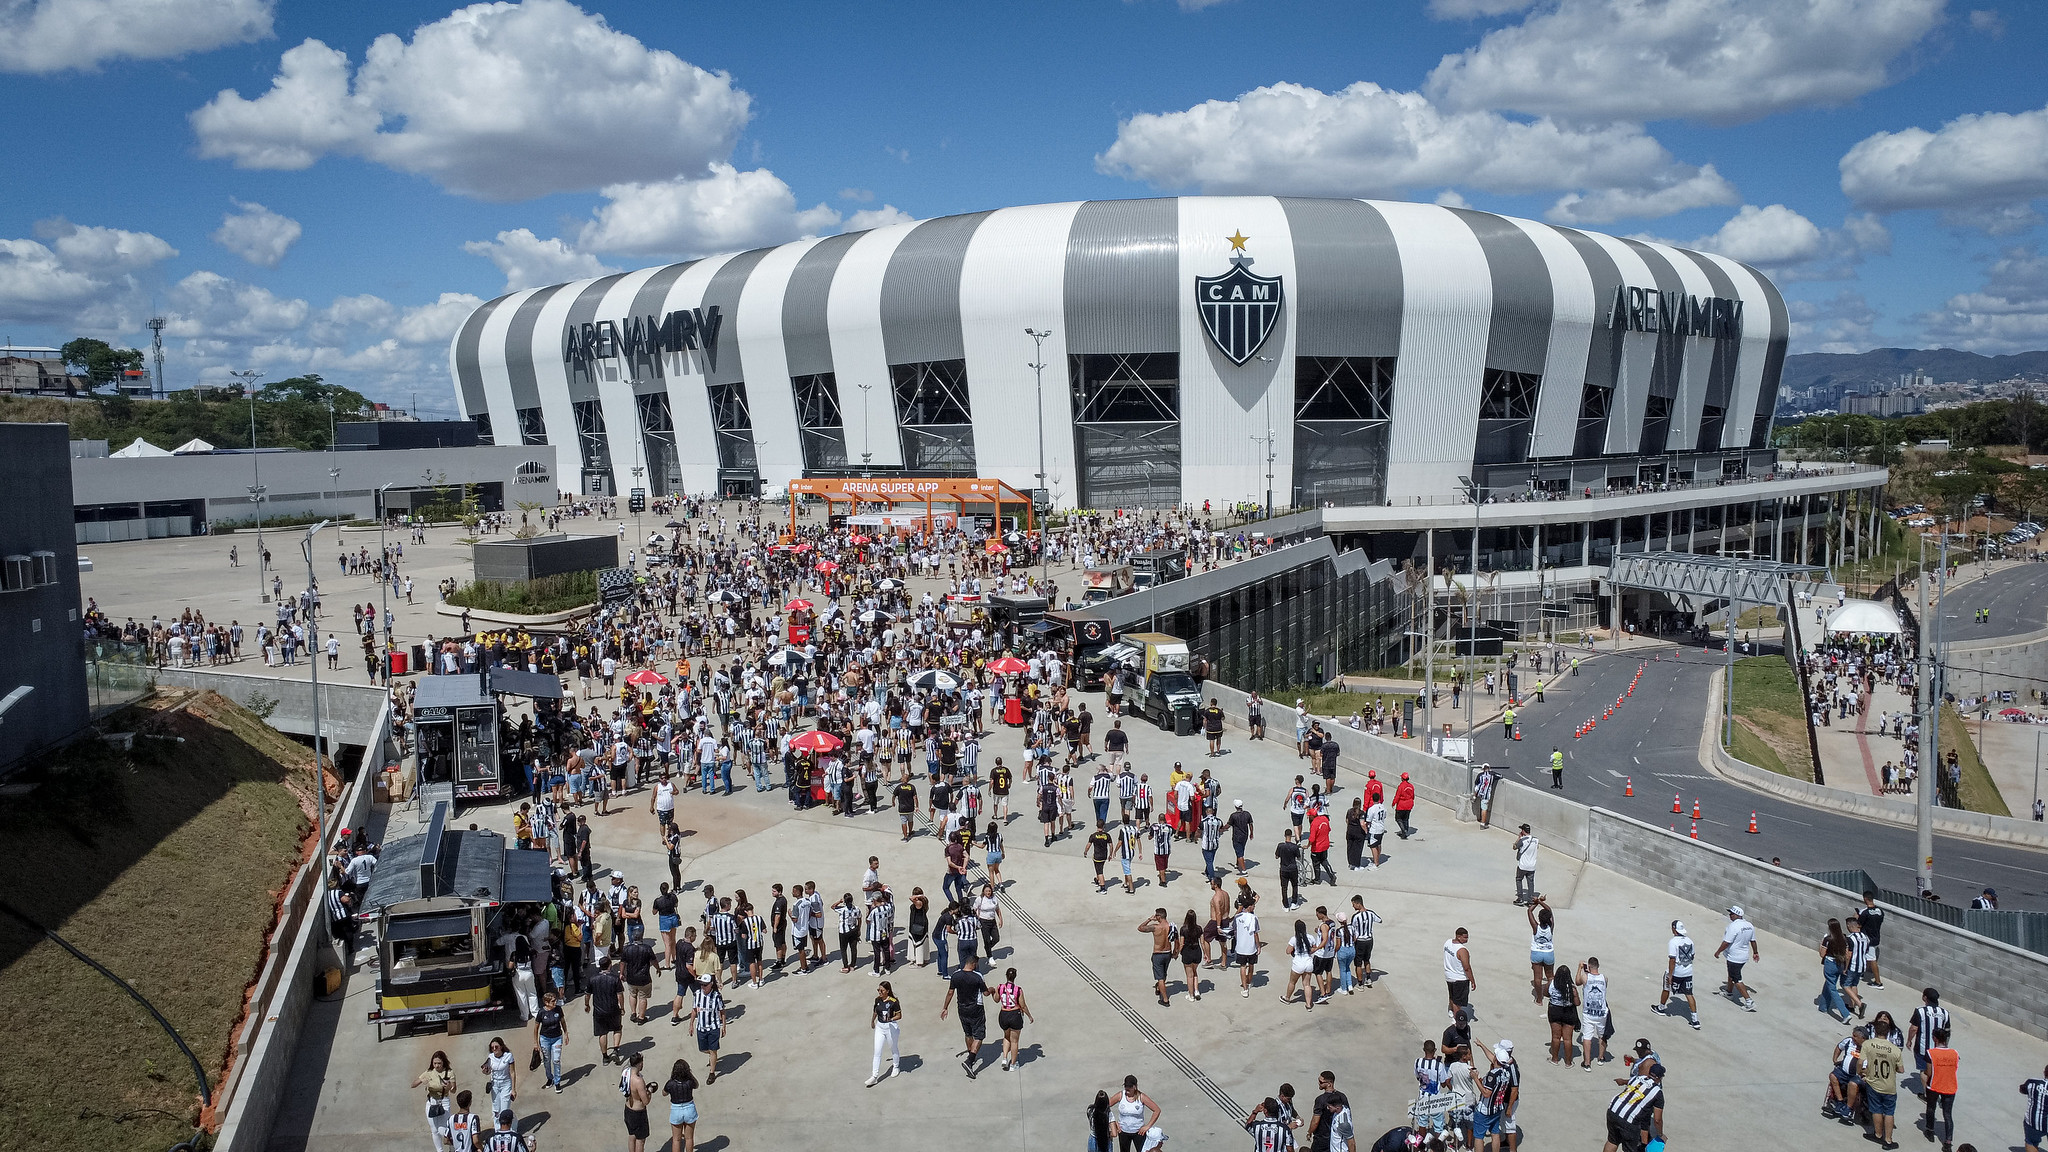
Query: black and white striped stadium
(1375,360)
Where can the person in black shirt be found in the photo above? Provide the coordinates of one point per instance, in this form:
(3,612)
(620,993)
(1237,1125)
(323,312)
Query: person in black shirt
(1097,845)
(906,805)
(1240,833)
(637,961)
(1458,1037)
(778,925)
(1288,853)
(1871,917)
(969,987)
(553,1035)
(999,788)
(1328,1103)
(604,1002)
(1212,725)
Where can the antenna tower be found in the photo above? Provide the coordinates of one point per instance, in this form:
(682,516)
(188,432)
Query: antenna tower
(156,345)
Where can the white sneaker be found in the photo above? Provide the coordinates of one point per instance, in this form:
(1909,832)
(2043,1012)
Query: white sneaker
(1245,992)
(872,1081)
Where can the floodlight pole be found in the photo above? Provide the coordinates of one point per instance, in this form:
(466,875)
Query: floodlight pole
(319,771)
(1037,367)
(248,378)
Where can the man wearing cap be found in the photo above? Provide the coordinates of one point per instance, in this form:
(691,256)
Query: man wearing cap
(1240,832)
(608,993)
(1499,1092)
(1404,805)
(505,1138)
(1678,974)
(1635,1116)
(1738,947)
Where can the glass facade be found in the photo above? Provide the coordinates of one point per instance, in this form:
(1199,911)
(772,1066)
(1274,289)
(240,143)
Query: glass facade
(819,421)
(1300,626)
(1593,408)
(658,440)
(933,416)
(483,428)
(1126,429)
(533,427)
(732,423)
(594,446)
(1341,410)
(1507,417)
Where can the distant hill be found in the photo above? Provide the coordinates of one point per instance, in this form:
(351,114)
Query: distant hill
(1884,365)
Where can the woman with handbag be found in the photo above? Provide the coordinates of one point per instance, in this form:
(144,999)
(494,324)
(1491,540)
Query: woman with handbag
(439,1081)
(920,928)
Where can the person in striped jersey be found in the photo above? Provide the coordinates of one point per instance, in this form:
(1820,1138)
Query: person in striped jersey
(2034,1117)
(881,931)
(1162,848)
(1128,837)
(849,915)
(1930,1017)
(710,1008)
(1269,1128)
(1635,1116)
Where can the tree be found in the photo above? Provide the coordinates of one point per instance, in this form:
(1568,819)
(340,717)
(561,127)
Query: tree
(101,362)
(2024,491)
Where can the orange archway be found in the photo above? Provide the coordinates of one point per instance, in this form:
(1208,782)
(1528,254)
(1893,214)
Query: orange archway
(894,490)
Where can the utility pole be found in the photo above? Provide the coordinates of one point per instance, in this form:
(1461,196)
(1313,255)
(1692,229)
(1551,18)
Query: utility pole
(866,454)
(1929,745)
(313,650)
(248,378)
(1268,438)
(1037,367)
(1471,487)
(1429,642)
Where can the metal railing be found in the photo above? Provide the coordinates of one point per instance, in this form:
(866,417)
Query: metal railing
(2027,931)
(117,674)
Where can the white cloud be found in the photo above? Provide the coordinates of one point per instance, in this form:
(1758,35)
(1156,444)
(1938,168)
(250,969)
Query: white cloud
(882,217)
(257,234)
(1983,168)
(1683,187)
(1723,61)
(209,304)
(1368,141)
(527,260)
(36,287)
(2008,314)
(103,250)
(1791,247)
(435,324)
(1449,198)
(55,35)
(1987,21)
(859,195)
(1846,323)
(726,210)
(497,101)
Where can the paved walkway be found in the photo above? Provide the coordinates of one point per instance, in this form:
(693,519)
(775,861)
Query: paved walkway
(799,1048)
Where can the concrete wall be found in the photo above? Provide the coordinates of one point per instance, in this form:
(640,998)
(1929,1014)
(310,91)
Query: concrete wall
(40,637)
(514,559)
(1983,975)
(2018,665)
(247,1102)
(1974,972)
(349,712)
(1890,809)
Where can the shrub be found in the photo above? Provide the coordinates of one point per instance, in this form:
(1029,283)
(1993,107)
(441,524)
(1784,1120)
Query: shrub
(529,597)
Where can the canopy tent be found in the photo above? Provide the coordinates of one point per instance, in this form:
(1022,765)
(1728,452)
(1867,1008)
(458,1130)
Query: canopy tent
(1864,616)
(139,450)
(193,445)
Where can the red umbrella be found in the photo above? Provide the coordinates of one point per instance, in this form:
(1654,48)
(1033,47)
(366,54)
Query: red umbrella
(997,547)
(1008,666)
(646,676)
(859,540)
(816,741)
(797,605)
(827,566)
(804,547)
(2015,712)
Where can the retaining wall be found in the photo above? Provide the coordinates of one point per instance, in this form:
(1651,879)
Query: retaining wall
(247,1102)
(1986,976)
(2016,664)
(349,712)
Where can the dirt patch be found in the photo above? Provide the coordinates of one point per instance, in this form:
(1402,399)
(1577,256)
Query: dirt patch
(165,862)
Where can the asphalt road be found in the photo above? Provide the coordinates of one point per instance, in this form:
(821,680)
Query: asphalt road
(1653,739)
(2016,599)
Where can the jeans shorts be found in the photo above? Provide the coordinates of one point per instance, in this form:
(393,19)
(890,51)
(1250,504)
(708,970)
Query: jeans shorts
(1542,957)
(684,1113)
(1486,1123)
(1887,1104)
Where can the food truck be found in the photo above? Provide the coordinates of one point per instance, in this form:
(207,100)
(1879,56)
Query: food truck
(436,901)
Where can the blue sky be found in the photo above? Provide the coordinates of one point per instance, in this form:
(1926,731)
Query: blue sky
(1878,157)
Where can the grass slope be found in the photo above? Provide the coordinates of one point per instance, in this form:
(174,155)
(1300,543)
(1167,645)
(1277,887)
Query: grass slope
(166,865)
(1771,717)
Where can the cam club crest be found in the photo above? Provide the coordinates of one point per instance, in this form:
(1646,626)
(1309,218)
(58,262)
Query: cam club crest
(1238,308)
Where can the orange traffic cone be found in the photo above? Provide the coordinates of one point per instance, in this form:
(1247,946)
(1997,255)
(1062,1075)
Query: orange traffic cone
(1695,829)
(1695,807)
(1752,823)
(1628,786)
(1676,804)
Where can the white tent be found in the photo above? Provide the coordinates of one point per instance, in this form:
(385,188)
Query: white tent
(1864,616)
(138,450)
(193,445)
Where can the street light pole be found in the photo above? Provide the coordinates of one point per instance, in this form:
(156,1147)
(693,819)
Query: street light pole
(313,649)
(1269,442)
(1472,610)
(1037,367)
(385,552)
(248,378)
(866,447)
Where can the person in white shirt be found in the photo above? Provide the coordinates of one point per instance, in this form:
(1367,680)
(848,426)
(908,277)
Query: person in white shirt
(1679,955)
(1525,868)
(1244,928)
(1738,947)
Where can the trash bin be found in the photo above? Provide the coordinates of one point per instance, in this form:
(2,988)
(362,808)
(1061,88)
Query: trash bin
(1184,723)
(419,657)
(1013,711)
(398,661)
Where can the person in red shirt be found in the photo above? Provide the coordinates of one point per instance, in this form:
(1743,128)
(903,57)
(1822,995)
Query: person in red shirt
(1319,848)
(1404,803)
(1374,792)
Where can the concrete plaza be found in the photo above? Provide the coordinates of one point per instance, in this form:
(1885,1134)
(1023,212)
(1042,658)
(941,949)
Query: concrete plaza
(799,1048)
